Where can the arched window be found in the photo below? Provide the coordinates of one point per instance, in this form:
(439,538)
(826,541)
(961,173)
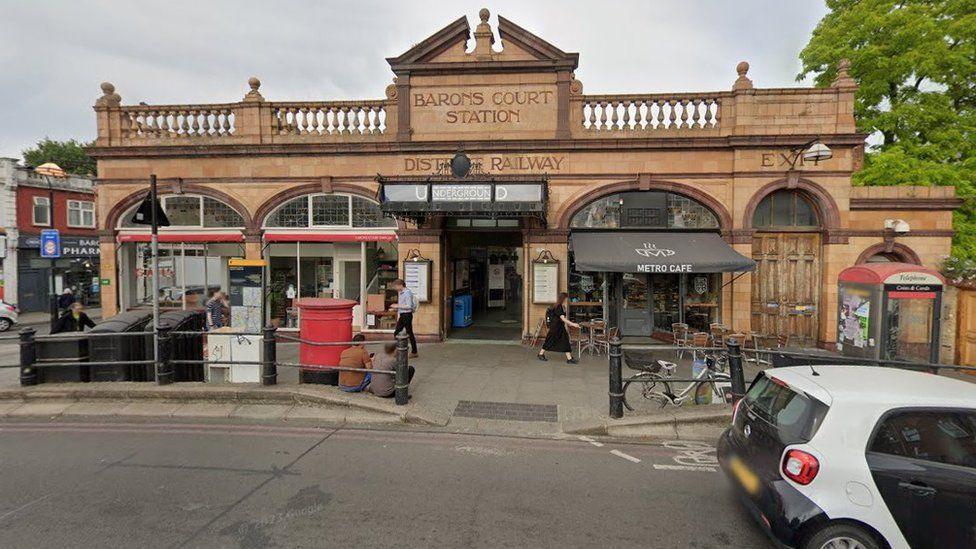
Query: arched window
(329,210)
(785,208)
(645,210)
(187,210)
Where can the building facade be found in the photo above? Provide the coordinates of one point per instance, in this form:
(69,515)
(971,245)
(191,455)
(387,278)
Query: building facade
(26,204)
(489,178)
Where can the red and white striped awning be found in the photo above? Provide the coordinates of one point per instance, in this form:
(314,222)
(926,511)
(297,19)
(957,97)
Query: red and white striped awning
(327,237)
(182,237)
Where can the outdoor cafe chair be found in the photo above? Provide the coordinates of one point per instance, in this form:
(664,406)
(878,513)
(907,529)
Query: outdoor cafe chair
(602,341)
(577,338)
(682,335)
(599,339)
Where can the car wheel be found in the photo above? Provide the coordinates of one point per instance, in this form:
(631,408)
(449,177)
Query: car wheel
(842,536)
(5,324)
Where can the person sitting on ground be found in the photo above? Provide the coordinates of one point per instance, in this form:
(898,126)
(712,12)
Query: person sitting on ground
(75,320)
(355,357)
(384,385)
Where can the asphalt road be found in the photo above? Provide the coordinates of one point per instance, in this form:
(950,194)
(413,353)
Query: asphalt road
(207,484)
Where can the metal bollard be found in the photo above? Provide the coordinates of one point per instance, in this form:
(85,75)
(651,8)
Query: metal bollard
(28,355)
(401,382)
(735,370)
(269,375)
(616,380)
(164,368)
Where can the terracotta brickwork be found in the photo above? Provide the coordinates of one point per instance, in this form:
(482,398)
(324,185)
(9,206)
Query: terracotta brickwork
(517,109)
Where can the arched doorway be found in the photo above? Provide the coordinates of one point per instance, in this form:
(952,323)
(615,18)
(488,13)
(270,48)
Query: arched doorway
(644,303)
(786,247)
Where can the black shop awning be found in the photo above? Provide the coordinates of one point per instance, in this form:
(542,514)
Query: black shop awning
(656,252)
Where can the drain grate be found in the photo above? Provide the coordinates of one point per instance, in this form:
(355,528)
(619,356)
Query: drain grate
(509,411)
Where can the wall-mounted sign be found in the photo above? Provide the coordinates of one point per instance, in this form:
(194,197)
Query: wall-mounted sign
(463,192)
(50,243)
(71,246)
(416,275)
(545,281)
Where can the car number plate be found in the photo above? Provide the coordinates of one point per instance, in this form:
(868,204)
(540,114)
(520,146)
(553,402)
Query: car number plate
(745,476)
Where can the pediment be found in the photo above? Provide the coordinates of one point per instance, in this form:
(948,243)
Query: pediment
(447,49)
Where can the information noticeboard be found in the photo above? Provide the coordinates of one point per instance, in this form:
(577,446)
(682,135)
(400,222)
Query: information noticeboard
(246,296)
(545,281)
(416,276)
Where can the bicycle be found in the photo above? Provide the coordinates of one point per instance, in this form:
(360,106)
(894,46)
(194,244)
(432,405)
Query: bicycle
(711,380)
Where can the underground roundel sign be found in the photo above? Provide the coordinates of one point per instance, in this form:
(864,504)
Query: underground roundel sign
(50,243)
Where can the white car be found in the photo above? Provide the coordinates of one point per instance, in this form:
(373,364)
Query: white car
(845,457)
(8,316)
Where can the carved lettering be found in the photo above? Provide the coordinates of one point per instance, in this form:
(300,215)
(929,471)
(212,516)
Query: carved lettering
(781,160)
(502,107)
(492,163)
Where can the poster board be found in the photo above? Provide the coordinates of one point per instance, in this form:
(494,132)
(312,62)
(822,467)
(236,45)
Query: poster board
(416,275)
(246,295)
(545,281)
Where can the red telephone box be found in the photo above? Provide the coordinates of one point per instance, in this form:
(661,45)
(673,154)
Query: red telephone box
(889,311)
(323,320)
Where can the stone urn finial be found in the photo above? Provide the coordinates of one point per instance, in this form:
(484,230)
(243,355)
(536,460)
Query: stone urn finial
(483,37)
(109,98)
(843,79)
(742,82)
(254,94)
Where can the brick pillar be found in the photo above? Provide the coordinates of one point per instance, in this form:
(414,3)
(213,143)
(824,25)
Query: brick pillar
(737,296)
(108,271)
(428,321)
(536,312)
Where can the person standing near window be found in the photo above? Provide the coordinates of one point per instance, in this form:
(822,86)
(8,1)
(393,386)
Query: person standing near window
(405,306)
(217,307)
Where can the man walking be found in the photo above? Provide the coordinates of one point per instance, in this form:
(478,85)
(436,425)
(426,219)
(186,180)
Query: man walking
(405,306)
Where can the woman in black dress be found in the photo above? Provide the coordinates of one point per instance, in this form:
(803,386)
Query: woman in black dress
(557,339)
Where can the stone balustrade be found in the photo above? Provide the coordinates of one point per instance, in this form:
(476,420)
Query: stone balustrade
(651,113)
(176,121)
(330,118)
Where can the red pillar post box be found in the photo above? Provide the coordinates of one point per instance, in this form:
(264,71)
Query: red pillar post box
(323,321)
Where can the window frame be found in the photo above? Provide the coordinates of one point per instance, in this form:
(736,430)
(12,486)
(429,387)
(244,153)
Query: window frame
(310,215)
(915,409)
(121,222)
(666,214)
(47,210)
(795,196)
(81,213)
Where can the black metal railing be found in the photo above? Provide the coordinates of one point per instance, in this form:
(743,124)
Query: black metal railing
(733,356)
(163,364)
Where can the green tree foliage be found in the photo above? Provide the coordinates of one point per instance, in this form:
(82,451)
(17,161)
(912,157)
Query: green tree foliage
(915,63)
(70,155)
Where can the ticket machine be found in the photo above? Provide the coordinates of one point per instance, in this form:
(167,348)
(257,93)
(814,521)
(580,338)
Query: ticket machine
(889,311)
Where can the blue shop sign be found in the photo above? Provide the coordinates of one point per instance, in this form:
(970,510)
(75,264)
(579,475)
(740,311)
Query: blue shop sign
(50,243)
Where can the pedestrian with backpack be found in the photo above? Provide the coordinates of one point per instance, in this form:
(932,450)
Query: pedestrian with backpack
(407,303)
(557,339)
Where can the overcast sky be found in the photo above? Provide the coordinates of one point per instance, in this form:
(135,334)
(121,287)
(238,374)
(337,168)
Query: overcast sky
(54,54)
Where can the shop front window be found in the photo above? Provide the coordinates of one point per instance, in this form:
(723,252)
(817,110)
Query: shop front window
(587,293)
(645,210)
(188,273)
(332,270)
(701,297)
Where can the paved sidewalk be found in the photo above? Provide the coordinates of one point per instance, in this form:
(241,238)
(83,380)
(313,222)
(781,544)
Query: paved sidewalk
(459,386)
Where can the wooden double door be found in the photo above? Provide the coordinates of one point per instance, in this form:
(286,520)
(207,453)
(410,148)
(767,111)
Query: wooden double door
(786,285)
(966,336)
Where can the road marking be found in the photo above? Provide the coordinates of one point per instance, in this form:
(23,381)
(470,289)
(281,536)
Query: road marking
(591,441)
(628,457)
(702,469)
(24,506)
